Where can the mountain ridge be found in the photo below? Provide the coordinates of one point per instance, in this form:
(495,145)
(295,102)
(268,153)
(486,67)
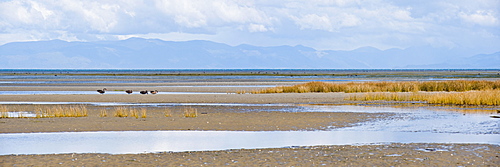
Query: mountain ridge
(156,53)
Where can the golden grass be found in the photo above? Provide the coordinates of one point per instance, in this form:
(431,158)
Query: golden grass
(4,115)
(130,112)
(51,111)
(167,113)
(3,108)
(143,113)
(61,111)
(403,86)
(120,112)
(134,113)
(190,112)
(4,111)
(103,113)
(486,97)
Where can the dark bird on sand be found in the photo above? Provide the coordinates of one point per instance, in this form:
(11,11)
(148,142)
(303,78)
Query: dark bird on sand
(129,91)
(154,92)
(144,92)
(102,91)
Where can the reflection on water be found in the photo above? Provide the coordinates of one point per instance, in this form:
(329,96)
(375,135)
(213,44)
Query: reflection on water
(159,141)
(436,122)
(18,114)
(420,119)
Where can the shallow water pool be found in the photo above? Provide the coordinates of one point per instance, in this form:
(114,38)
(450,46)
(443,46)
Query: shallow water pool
(160,141)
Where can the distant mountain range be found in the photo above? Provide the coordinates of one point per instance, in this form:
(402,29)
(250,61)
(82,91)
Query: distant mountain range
(198,54)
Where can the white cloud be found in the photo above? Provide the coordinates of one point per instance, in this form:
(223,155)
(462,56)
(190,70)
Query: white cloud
(257,28)
(18,13)
(313,21)
(323,24)
(208,14)
(483,18)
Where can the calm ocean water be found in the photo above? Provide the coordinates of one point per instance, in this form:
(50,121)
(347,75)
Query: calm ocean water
(221,71)
(49,76)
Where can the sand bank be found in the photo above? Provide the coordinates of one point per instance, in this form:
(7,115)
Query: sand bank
(415,154)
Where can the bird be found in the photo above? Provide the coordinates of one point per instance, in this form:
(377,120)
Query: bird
(129,91)
(144,92)
(102,91)
(154,92)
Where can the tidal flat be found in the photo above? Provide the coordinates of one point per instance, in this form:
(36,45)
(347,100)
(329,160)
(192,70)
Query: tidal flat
(220,108)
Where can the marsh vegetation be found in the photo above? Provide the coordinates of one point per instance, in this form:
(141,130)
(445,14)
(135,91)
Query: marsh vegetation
(190,112)
(52,111)
(460,92)
(404,86)
(487,97)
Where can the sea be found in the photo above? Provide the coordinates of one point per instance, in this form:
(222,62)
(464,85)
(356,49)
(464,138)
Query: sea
(223,71)
(41,76)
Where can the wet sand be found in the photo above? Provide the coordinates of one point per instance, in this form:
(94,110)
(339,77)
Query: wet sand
(230,118)
(207,119)
(186,98)
(415,154)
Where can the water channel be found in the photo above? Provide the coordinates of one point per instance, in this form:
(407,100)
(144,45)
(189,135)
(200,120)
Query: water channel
(410,125)
(159,141)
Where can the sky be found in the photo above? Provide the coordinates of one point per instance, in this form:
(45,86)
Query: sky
(320,24)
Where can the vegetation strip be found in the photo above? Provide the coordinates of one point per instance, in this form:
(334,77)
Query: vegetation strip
(488,97)
(82,111)
(409,86)
(459,92)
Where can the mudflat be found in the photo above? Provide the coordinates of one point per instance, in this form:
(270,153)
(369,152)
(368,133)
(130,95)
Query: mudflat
(414,154)
(220,117)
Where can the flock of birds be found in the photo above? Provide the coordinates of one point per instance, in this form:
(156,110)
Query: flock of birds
(102,91)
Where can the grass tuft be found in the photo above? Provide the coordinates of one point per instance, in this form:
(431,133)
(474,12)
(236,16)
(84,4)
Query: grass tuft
(61,111)
(143,113)
(130,112)
(190,112)
(4,111)
(134,113)
(167,113)
(120,112)
(103,113)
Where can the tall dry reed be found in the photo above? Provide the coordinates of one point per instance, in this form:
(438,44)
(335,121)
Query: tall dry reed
(134,113)
(190,112)
(403,86)
(61,111)
(121,112)
(103,113)
(486,97)
(143,113)
(4,111)
(130,112)
(167,112)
